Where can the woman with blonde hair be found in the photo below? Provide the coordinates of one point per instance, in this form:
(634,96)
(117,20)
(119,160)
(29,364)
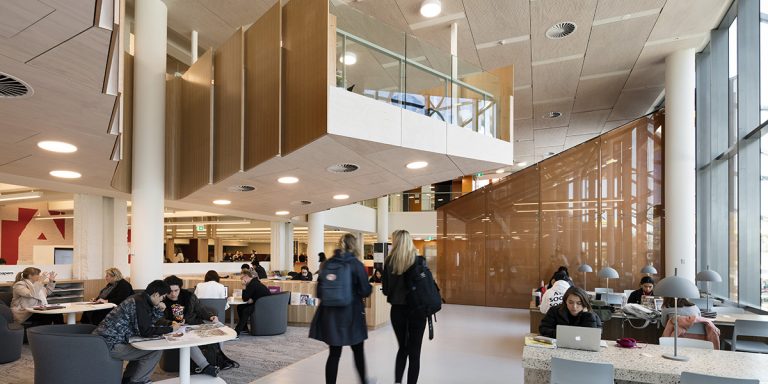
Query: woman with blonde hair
(335,323)
(408,325)
(31,289)
(116,290)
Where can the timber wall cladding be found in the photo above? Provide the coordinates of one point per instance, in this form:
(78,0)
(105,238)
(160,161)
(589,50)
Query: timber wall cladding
(262,92)
(197,126)
(228,107)
(172,135)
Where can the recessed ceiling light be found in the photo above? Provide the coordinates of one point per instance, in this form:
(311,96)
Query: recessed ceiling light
(349,58)
(552,115)
(281,213)
(57,146)
(341,197)
(417,165)
(66,174)
(549,154)
(222,202)
(500,170)
(431,8)
(288,180)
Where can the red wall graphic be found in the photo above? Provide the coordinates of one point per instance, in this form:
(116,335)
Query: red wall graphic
(11,232)
(42,237)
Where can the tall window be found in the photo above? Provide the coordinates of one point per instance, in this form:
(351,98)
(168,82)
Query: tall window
(764,155)
(733,169)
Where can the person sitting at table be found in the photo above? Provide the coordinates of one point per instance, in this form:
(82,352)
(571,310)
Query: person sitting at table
(258,269)
(136,316)
(376,276)
(182,306)
(646,289)
(210,288)
(304,275)
(552,280)
(684,308)
(32,289)
(117,290)
(253,290)
(575,310)
(554,296)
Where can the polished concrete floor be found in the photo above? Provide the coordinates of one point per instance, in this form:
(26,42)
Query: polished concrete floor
(471,345)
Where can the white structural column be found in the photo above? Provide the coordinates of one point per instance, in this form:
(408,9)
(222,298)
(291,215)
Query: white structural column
(148,142)
(281,246)
(100,236)
(680,165)
(382,219)
(193,47)
(316,239)
(360,243)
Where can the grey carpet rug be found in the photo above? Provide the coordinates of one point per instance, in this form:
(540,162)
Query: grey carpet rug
(258,356)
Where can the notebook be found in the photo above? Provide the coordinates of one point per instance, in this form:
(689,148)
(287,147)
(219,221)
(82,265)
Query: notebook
(587,339)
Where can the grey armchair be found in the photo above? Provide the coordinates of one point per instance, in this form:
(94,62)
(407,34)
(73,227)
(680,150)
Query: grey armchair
(11,336)
(217,306)
(52,351)
(270,314)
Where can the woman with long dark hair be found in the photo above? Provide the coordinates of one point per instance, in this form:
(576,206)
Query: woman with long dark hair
(575,310)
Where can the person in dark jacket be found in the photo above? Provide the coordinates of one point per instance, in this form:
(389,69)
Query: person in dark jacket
(408,325)
(340,326)
(117,290)
(182,306)
(575,310)
(136,317)
(646,289)
(259,270)
(253,290)
(304,275)
(376,276)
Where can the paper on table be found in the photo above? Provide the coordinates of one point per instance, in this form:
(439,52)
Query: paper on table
(529,341)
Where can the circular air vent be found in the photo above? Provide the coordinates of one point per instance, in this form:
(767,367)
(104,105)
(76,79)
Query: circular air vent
(12,87)
(241,188)
(552,115)
(301,202)
(343,168)
(560,30)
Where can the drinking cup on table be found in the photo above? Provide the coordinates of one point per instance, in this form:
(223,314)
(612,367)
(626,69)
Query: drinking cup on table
(657,303)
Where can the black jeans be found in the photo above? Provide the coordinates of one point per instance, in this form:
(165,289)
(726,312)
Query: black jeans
(332,364)
(243,315)
(409,330)
(45,319)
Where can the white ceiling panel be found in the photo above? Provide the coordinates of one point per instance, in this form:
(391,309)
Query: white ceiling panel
(683,18)
(607,9)
(654,54)
(493,20)
(545,14)
(609,125)
(238,13)
(599,93)
(634,103)
(651,76)
(517,54)
(549,137)
(386,11)
(556,80)
(624,40)
(440,36)
(523,103)
(572,141)
(544,152)
(19,14)
(584,123)
(540,110)
(184,17)
(523,129)
(523,148)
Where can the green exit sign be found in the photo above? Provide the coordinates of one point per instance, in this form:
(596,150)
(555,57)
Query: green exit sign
(201,227)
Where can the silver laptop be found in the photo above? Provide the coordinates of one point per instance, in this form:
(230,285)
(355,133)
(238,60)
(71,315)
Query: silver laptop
(583,338)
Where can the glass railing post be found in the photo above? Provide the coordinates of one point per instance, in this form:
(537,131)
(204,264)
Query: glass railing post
(344,64)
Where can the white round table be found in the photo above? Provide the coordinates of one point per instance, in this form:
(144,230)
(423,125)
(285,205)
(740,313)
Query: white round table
(72,309)
(233,302)
(190,339)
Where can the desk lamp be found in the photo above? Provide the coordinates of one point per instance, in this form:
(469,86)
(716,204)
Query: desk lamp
(708,276)
(585,268)
(676,287)
(649,270)
(608,273)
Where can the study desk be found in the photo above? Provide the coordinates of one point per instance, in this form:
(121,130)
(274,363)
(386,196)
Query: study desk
(72,309)
(190,339)
(617,327)
(646,365)
(730,318)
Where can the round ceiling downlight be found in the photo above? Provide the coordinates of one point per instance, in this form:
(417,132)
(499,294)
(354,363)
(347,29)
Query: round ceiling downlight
(288,180)
(561,30)
(222,202)
(282,213)
(552,115)
(430,8)
(65,174)
(417,165)
(341,197)
(57,146)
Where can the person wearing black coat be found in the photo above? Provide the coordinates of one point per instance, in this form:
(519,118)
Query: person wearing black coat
(575,310)
(117,290)
(260,271)
(340,326)
(646,289)
(254,289)
(304,275)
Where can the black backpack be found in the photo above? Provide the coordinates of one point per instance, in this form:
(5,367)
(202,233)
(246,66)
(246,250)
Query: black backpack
(335,289)
(424,296)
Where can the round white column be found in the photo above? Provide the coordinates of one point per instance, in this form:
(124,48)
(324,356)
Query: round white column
(680,165)
(148,142)
(382,219)
(316,239)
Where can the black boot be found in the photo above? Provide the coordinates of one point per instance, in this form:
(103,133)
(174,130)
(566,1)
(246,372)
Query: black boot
(211,370)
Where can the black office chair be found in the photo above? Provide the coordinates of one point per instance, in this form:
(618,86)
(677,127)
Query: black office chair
(11,336)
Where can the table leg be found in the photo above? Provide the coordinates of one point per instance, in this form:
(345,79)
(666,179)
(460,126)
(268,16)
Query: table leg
(71,318)
(184,365)
(232,315)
